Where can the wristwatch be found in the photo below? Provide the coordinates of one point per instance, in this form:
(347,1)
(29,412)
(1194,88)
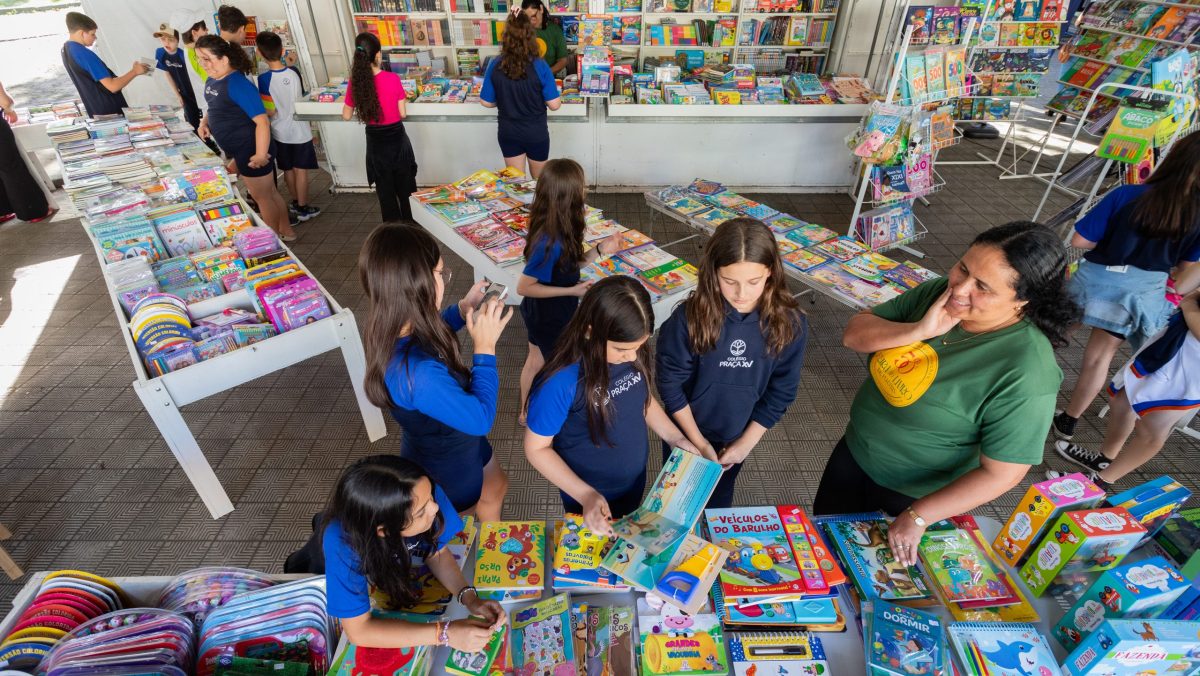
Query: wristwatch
(916,517)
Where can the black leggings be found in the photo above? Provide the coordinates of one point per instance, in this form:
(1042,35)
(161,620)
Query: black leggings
(846,489)
(20,192)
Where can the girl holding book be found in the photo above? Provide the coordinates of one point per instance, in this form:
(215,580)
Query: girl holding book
(591,405)
(549,284)
(414,369)
(729,357)
(238,120)
(386,525)
(377,98)
(1136,238)
(520,86)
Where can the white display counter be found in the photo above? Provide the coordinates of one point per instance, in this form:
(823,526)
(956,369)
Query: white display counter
(753,148)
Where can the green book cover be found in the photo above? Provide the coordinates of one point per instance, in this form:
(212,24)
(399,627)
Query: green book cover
(476,664)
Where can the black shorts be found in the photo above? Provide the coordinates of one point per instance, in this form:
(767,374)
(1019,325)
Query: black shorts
(242,159)
(536,148)
(295,155)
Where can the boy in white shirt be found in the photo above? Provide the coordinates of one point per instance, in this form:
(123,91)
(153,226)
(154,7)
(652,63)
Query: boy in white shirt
(295,155)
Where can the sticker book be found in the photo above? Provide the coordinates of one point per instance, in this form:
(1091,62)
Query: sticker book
(541,638)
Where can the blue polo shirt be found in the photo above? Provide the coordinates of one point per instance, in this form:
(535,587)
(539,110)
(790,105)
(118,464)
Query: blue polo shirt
(347,590)
(174,65)
(89,61)
(1112,226)
(233,103)
(520,104)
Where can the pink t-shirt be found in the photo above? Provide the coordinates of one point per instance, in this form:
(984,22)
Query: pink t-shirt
(390,92)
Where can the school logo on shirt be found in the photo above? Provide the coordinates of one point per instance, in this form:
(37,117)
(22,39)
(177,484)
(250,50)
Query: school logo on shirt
(736,361)
(904,374)
(626,383)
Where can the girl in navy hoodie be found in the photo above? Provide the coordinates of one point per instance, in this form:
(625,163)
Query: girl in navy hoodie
(415,370)
(591,404)
(729,357)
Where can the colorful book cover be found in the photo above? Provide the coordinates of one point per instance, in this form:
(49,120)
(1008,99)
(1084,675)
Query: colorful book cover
(647,257)
(677,274)
(1137,648)
(578,553)
(914,76)
(920,18)
(780,223)
(864,548)
(909,275)
(486,234)
(641,569)
(869,266)
(510,252)
(842,249)
(1013,608)
(1175,73)
(945,25)
(813,555)
(598,642)
(541,638)
(959,568)
(1002,649)
(673,504)
(676,644)
(804,260)
(622,641)
(480,663)
(810,234)
(956,70)
(510,556)
(760,560)
(777,653)
(903,641)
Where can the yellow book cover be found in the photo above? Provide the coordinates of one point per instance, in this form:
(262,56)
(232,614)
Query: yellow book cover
(511,556)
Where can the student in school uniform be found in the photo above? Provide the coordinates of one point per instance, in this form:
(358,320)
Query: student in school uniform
(173,61)
(549,284)
(376,97)
(520,86)
(238,120)
(414,368)
(386,525)
(1136,238)
(280,89)
(729,357)
(591,406)
(98,87)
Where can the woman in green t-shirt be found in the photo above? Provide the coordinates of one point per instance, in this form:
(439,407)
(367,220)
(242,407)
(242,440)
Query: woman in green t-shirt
(963,386)
(552,44)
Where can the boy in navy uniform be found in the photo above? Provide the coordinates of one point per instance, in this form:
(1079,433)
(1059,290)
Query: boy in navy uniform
(99,88)
(295,155)
(170,58)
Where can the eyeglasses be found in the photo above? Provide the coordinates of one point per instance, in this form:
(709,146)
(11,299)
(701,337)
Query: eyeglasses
(446,274)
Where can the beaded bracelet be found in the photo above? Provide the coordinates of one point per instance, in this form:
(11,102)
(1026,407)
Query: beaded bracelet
(444,632)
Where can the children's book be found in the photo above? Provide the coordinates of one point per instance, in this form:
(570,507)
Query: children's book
(1137,648)
(819,569)
(508,253)
(945,25)
(1002,649)
(669,278)
(809,234)
(578,553)
(598,641)
(869,266)
(541,641)
(458,213)
(680,645)
(804,260)
(935,72)
(622,641)
(1014,608)
(959,568)
(842,249)
(647,257)
(673,504)
(480,663)
(903,641)
(510,559)
(760,560)
(914,77)
(641,569)
(771,654)
(920,18)
(486,233)
(862,543)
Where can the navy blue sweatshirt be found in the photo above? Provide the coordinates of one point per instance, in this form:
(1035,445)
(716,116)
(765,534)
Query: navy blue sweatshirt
(732,384)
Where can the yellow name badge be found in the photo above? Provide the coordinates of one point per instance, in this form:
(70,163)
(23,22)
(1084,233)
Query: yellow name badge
(903,374)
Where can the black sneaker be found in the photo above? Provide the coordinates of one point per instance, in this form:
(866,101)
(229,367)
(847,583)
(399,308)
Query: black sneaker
(1086,458)
(1064,425)
(293,218)
(1092,476)
(305,212)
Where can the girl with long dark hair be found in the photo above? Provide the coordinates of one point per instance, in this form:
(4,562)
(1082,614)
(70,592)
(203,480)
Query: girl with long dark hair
(520,86)
(1136,238)
(729,357)
(962,385)
(237,118)
(377,98)
(414,368)
(386,524)
(591,405)
(549,284)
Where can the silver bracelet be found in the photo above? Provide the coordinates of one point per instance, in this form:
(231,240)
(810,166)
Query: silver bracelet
(465,590)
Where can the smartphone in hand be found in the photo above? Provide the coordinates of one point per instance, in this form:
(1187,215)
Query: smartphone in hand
(494,291)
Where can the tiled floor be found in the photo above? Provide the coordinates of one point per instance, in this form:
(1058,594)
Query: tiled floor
(87,482)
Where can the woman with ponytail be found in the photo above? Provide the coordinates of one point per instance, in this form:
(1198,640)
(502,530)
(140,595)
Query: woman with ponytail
(520,86)
(237,119)
(963,382)
(414,368)
(377,98)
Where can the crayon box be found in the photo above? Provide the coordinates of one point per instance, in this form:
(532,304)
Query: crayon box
(1043,503)
(1131,591)
(1083,541)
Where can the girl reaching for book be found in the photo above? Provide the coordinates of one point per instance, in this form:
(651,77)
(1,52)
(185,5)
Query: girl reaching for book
(414,368)
(591,405)
(386,525)
(549,284)
(729,357)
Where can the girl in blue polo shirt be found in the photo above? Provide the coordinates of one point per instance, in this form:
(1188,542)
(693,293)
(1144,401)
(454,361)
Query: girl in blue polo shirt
(237,118)
(591,405)
(414,368)
(1136,238)
(387,525)
(729,357)
(549,284)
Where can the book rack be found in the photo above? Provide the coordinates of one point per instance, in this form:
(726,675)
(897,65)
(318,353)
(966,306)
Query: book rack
(163,396)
